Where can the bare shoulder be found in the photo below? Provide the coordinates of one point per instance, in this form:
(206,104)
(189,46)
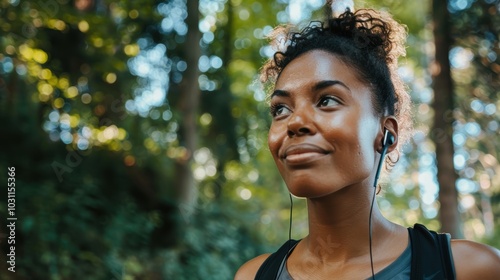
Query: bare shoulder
(249,269)
(475,260)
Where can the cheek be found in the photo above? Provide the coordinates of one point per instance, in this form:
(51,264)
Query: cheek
(274,139)
(366,135)
(357,134)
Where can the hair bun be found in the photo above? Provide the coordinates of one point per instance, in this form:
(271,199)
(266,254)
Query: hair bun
(367,29)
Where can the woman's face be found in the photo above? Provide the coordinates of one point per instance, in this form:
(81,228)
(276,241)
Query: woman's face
(324,129)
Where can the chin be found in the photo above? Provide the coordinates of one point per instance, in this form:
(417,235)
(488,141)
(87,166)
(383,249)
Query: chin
(306,190)
(307,186)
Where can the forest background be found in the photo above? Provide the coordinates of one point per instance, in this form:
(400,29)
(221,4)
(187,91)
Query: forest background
(138,133)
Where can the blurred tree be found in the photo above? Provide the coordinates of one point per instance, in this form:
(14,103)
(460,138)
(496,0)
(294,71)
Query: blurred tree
(442,131)
(475,70)
(188,108)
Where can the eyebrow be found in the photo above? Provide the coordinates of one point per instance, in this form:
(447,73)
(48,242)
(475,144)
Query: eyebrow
(316,87)
(327,83)
(280,92)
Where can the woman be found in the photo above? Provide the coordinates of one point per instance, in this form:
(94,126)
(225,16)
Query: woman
(337,106)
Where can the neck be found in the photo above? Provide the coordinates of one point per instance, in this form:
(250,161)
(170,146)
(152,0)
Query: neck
(339,225)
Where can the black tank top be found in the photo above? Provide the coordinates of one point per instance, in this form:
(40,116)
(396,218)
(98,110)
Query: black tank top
(400,269)
(431,256)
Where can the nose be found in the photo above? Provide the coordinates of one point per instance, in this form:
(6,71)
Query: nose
(300,123)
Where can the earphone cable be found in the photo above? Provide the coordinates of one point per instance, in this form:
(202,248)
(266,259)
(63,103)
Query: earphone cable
(370,231)
(289,236)
(379,167)
(290,225)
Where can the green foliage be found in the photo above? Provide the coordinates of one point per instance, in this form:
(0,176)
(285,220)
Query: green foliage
(94,192)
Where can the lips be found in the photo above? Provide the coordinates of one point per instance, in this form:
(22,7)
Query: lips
(303,153)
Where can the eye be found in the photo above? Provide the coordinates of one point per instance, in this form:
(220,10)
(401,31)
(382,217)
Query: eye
(328,101)
(279,110)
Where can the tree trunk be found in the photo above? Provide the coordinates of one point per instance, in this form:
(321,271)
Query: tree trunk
(443,119)
(188,105)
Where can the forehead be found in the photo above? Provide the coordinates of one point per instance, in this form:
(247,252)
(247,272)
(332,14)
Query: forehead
(318,65)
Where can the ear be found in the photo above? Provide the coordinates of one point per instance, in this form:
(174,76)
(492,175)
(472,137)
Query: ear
(389,123)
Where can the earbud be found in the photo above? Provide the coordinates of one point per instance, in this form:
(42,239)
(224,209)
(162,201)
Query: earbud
(388,139)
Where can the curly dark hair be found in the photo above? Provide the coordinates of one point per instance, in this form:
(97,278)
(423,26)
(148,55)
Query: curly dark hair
(368,41)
